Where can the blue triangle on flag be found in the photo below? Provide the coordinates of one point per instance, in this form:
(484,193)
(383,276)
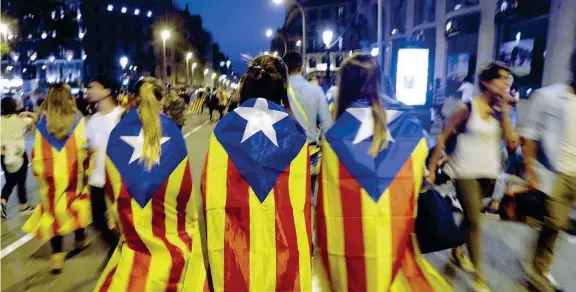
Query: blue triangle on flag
(374,174)
(42,127)
(258,160)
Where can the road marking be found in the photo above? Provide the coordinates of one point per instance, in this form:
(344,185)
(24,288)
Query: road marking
(14,246)
(2,173)
(196,129)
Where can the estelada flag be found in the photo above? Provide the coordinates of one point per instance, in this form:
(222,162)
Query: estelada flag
(161,248)
(367,206)
(257,201)
(198,103)
(60,168)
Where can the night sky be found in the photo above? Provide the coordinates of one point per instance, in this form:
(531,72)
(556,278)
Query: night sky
(238,25)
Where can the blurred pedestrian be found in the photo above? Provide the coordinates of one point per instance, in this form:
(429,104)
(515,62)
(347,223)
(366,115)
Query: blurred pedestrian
(365,210)
(28,104)
(101,91)
(150,187)
(472,138)
(256,182)
(60,163)
(14,157)
(175,107)
(550,155)
(467,89)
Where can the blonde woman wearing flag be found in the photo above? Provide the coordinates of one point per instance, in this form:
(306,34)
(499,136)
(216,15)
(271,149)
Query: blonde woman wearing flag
(59,162)
(370,178)
(150,187)
(255,188)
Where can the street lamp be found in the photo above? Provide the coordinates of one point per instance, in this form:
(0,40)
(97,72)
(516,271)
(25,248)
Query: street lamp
(298,43)
(192,74)
(269,33)
(123,62)
(165,36)
(188,57)
(327,37)
(301,8)
(213,77)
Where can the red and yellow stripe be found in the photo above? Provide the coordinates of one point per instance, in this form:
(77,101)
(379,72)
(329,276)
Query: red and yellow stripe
(253,245)
(61,176)
(161,249)
(365,245)
(198,103)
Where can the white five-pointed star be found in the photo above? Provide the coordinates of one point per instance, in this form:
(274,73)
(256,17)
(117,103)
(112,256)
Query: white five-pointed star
(364,115)
(137,142)
(260,118)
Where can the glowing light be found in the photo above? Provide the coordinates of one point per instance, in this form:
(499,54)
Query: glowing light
(449,25)
(24,70)
(124,9)
(374,52)
(44,35)
(518,36)
(81,35)
(458,6)
(149,14)
(69,57)
(53,14)
(188,56)
(51,58)
(222,63)
(110,7)
(206,71)
(266,53)
(327,37)
(84,56)
(54,34)
(298,43)
(15,58)
(79,16)
(125,82)
(165,35)
(136,11)
(123,61)
(394,31)
(269,33)
(43,67)
(33,57)
(3,28)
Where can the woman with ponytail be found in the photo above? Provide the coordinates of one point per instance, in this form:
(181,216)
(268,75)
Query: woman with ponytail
(371,174)
(255,189)
(150,187)
(59,163)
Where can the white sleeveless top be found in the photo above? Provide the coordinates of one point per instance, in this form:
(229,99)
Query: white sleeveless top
(477,153)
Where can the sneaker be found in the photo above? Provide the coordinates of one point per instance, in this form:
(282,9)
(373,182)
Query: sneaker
(57,263)
(4,216)
(27,210)
(458,259)
(479,285)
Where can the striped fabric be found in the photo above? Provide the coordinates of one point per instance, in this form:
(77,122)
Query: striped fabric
(257,203)
(60,168)
(367,206)
(156,211)
(198,103)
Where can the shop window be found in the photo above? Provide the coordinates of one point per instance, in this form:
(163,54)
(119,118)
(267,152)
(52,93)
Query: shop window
(453,5)
(424,11)
(340,11)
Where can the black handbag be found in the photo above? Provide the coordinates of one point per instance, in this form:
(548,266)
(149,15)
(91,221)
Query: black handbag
(435,227)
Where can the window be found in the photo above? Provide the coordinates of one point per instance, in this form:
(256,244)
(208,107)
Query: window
(169,70)
(424,11)
(340,11)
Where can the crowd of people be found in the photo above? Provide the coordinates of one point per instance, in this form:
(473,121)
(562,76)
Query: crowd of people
(294,178)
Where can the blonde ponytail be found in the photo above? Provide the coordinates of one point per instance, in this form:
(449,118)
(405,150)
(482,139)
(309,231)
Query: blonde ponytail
(149,114)
(380,139)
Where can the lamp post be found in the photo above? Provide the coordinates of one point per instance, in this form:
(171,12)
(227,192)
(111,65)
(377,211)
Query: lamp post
(213,77)
(192,73)
(206,71)
(165,36)
(123,63)
(270,33)
(301,9)
(327,37)
(188,57)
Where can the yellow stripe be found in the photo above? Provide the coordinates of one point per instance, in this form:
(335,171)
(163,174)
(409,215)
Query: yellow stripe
(32,224)
(401,284)
(432,276)
(121,277)
(61,182)
(170,202)
(298,105)
(112,263)
(216,173)
(262,243)
(334,224)
(298,183)
(377,226)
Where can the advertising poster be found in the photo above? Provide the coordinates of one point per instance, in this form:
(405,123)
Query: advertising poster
(517,55)
(458,65)
(412,76)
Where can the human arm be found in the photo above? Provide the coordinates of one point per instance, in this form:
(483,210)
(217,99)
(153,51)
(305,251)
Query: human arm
(31,115)
(531,131)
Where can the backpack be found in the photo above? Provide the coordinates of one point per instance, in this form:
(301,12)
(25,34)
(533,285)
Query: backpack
(13,156)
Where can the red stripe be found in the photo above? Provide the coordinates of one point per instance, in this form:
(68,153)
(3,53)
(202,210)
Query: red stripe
(48,175)
(287,253)
(71,190)
(414,274)
(321,234)
(141,263)
(236,232)
(401,212)
(184,196)
(108,187)
(106,285)
(350,196)
(159,230)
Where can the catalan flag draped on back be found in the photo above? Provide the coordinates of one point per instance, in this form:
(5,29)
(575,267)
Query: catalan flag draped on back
(367,205)
(161,249)
(256,194)
(60,168)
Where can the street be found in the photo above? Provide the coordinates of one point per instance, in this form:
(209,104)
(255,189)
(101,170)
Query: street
(25,261)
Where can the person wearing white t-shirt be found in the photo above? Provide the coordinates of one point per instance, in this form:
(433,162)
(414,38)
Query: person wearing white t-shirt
(468,90)
(101,92)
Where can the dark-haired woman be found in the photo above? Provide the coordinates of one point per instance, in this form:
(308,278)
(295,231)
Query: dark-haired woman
(150,187)
(255,188)
(370,176)
(14,157)
(476,158)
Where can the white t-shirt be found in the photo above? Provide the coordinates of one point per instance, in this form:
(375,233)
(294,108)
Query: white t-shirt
(468,91)
(567,161)
(98,131)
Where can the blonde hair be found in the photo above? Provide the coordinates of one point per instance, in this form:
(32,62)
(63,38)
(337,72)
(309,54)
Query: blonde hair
(60,111)
(148,96)
(360,79)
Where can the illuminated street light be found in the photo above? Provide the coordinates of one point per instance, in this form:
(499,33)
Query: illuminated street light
(327,37)
(298,43)
(149,13)
(189,56)
(136,11)
(51,58)
(124,9)
(84,56)
(374,52)
(228,63)
(44,35)
(214,76)
(123,62)
(275,53)
(206,71)
(110,7)
(266,53)
(269,33)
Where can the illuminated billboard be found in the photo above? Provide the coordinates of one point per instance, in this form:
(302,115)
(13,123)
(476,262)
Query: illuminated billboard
(412,76)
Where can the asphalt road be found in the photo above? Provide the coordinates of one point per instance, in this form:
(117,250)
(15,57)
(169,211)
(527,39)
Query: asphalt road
(25,261)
